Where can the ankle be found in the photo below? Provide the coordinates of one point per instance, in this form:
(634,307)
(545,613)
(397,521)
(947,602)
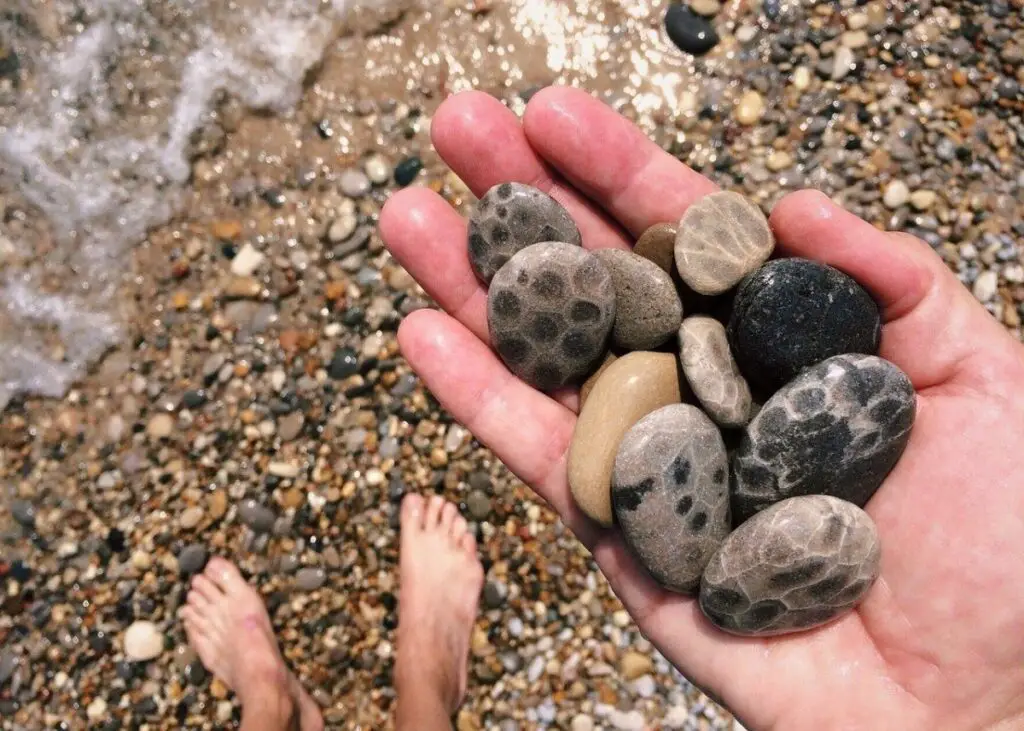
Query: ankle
(267,692)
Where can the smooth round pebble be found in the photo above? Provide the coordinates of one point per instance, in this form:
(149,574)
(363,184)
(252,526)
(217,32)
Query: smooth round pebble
(647,307)
(143,641)
(688,31)
(712,372)
(310,578)
(797,565)
(508,218)
(192,559)
(550,311)
(658,244)
(258,517)
(837,429)
(670,493)
(354,183)
(793,313)
(630,388)
(720,239)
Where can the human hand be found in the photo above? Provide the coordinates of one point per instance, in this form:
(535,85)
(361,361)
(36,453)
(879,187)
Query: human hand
(939,640)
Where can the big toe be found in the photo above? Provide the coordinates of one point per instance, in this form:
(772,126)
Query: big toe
(226,577)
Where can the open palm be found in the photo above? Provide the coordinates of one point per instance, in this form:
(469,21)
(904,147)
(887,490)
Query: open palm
(939,640)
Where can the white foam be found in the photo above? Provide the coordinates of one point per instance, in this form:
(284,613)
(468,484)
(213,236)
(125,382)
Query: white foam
(103,181)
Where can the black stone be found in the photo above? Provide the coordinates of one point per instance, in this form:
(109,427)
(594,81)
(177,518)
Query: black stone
(794,313)
(193,399)
(274,197)
(343,364)
(690,32)
(9,64)
(407,170)
(192,559)
(116,540)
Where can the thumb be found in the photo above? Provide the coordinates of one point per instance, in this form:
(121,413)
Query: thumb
(934,329)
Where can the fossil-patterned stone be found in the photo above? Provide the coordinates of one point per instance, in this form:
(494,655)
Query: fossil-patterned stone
(799,564)
(630,388)
(510,217)
(647,306)
(712,373)
(588,384)
(793,313)
(550,311)
(670,493)
(837,429)
(720,239)
(658,244)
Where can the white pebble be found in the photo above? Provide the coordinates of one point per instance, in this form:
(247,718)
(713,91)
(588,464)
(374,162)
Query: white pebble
(582,722)
(375,477)
(801,78)
(677,717)
(96,710)
(341,228)
(779,160)
(377,169)
(842,63)
(143,641)
(745,33)
(533,673)
(750,108)
(985,286)
(283,469)
(224,710)
(632,721)
(1014,273)
(644,686)
(896,194)
(854,39)
(246,261)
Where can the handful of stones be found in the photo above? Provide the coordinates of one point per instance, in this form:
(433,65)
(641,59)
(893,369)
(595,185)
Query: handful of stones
(757,510)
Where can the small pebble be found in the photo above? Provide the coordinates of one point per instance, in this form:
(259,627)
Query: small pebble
(647,307)
(407,170)
(842,63)
(922,200)
(896,194)
(192,559)
(246,261)
(688,31)
(160,426)
(478,503)
(341,228)
(658,244)
(258,517)
(191,517)
(143,641)
(712,372)
(344,363)
(707,8)
(750,108)
(24,513)
(986,286)
(310,579)
(779,160)
(377,169)
(354,183)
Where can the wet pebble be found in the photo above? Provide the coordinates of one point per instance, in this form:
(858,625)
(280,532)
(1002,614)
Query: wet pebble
(670,493)
(377,169)
(510,217)
(354,183)
(344,363)
(793,313)
(688,31)
(407,170)
(310,579)
(896,194)
(838,428)
(24,513)
(9,663)
(799,564)
(647,307)
(191,517)
(494,594)
(478,504)
(258,517)
(192,559)
(721,238)
(550,310)
(290,426)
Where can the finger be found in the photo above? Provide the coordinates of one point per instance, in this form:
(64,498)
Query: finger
(484,143)
(428,238)
(528,431)
(607,157)
(933,324)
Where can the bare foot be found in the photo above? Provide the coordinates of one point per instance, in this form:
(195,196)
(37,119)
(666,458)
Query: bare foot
(228,626)
(440,585)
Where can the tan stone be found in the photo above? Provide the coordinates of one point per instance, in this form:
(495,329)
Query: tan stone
(633,664)
(658,244)
(722,238)
(712,373)
(630,388)
(589,383)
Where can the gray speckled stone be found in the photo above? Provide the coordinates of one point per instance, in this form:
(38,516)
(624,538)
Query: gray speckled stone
(799,564)
(647,307)
(720,239)
(192,559)
(793,313)
(550,310)
(670,493)
(24,513)
(712,372)
(258,517)
(310,579)
(837,429)
(508,218)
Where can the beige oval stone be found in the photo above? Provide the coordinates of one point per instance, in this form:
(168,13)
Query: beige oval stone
(712,373)
(588,385)
(630,388)
(658,244)
(721,238)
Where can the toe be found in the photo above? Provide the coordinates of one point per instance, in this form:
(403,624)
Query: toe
(459,528)
(468,544)
(206,589)
(199,602)
(225,575)
(433,516)
(196,623)
(412,512)
(448,515)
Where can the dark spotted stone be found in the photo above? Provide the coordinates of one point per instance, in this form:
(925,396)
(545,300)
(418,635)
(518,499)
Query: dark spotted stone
(837,429)
(793,313)
(672,512)
(510,217)
(799,564)
(550,310)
